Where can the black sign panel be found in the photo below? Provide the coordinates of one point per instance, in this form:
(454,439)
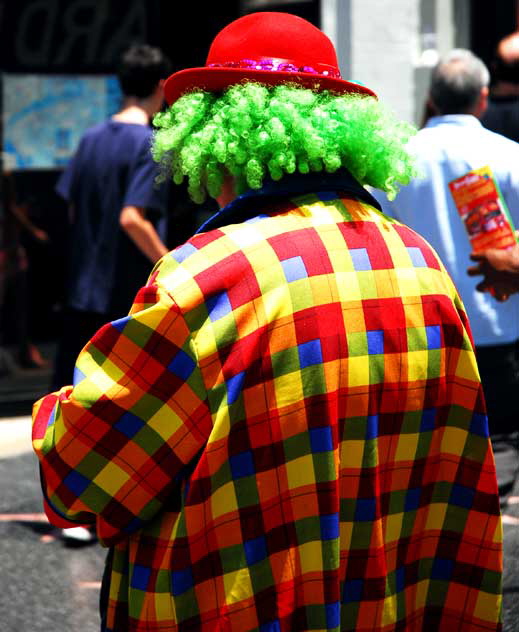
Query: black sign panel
(62,36)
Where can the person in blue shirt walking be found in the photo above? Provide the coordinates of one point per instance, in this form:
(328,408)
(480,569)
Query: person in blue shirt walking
(117,210)
(452,143)
(117,224)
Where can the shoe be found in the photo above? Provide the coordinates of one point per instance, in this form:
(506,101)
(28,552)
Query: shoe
(78,536)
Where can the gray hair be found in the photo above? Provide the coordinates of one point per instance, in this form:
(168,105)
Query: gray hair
(457,81)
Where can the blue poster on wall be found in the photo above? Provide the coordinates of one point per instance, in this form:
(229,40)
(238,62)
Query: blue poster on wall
(44,116)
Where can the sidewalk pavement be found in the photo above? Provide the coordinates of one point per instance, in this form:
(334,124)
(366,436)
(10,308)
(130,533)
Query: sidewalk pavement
(45,585)
(15,436)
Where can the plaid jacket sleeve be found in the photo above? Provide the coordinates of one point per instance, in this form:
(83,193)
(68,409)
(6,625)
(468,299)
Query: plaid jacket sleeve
(114,445)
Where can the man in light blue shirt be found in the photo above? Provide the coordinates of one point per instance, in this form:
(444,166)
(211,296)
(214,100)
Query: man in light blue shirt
(451,144)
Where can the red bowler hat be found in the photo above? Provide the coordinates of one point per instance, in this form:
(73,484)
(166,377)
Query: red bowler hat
(270,48)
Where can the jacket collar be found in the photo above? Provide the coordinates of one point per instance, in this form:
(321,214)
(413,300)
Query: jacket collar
(260,201)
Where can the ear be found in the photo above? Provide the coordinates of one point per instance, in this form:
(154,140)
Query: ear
(432,107)
(160,87)
(483,101)
(429,110)
(228,191)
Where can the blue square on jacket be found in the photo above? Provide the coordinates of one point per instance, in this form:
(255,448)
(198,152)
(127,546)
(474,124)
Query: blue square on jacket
(372,427)
(360,259)
(52,418)
(321,439)
(352,591)
(442,569)
(333,615)
(462,496)
(294,269)
(255,550)
(242,464)
(79,376)
(412,499)
(234,385)
(310,353)
(183,252)
(375,342)
(218,306)
(416,256)
(479,425)
(133,525)
(181,581)
(76,482)
(329,526)
(182,365)
(120,323)
(434,336)
(365,509)
(400,578)
(428,421)
(140,577)
(129,424)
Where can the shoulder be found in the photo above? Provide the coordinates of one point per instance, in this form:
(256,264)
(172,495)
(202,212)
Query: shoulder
(426,139)
(463,139)
(138,138)
(497,145)
(185,271)
(497,138)
(136,131)
(93,137)
(96,130)
(503,154)
(222,258)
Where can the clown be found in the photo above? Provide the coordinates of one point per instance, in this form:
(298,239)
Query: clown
(288,431)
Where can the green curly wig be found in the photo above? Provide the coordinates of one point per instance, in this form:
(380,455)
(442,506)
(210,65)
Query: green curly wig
(252,131)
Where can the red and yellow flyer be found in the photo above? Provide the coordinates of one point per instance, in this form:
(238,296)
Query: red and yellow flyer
(483,210)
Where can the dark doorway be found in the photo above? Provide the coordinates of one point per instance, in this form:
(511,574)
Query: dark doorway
(491,21)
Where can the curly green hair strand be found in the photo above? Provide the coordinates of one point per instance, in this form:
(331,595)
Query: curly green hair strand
(253,131)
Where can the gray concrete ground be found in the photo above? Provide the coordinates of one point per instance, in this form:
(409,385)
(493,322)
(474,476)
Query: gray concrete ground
(47,587)
(44,586)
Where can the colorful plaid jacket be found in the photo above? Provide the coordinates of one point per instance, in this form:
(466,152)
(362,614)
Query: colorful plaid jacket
(287,433)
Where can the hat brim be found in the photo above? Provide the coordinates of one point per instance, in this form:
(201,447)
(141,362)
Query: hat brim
(217,78)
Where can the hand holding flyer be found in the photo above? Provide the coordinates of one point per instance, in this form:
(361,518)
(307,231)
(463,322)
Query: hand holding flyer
(483,210)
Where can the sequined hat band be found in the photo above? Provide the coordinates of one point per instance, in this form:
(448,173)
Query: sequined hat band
(279,65)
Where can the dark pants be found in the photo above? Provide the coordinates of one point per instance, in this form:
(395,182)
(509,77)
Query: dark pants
(499,370)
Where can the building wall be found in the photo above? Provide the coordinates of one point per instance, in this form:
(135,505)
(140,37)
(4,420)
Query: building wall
(384,47)
(392,45)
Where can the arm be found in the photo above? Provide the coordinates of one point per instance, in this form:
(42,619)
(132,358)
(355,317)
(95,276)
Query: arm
(21,216)
(143,193)
(21,212)
(142,232)
(113,447)
(500,270)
